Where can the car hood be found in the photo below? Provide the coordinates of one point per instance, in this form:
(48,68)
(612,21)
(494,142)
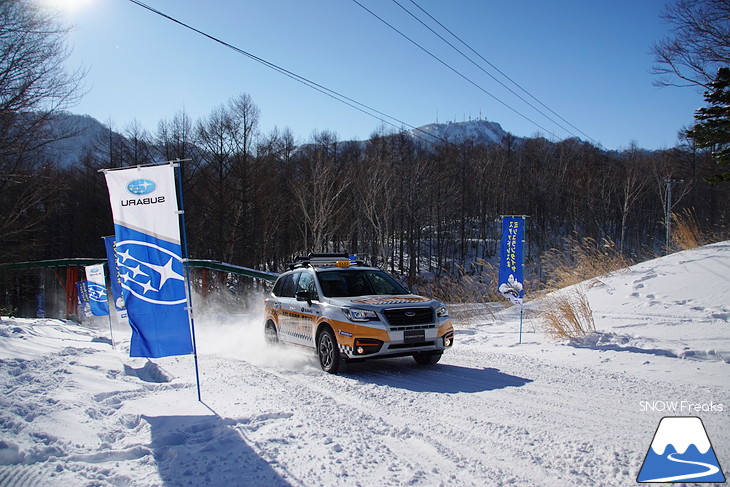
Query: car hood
(384,301)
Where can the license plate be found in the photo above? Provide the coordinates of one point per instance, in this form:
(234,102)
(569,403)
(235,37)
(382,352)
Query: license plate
(414,336)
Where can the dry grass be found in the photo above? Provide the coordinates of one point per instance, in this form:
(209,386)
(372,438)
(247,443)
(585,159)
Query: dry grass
(477,286)
(567,314)
(687,234)
(580,260)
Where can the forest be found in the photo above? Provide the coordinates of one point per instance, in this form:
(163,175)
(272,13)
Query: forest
(423,209)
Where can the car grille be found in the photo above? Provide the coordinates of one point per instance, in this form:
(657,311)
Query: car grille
(408,318)
(398,346)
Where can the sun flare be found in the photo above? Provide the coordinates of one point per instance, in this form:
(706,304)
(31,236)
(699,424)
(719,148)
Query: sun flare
(66,5)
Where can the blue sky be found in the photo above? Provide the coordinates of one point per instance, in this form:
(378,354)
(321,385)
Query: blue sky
(588,61)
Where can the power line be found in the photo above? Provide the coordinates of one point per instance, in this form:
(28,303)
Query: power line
(366,109)
(459,73)
(495,68)
(481,68)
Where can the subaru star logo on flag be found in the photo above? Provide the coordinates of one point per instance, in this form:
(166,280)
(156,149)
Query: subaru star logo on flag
(97,290)
(681,452)
(141,186)
(149,259)
(151,273)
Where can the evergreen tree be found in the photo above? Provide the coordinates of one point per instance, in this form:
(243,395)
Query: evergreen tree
(712,129)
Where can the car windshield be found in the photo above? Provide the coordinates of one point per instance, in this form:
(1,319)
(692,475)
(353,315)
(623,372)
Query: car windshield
(356,282)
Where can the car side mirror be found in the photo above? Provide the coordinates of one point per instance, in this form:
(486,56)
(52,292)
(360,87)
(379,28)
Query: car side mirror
(304,296)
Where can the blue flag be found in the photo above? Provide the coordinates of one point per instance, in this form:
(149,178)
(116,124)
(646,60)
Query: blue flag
(83,292)
(149,257)
(96,283)
(511,259)
(115,281)
(40,306)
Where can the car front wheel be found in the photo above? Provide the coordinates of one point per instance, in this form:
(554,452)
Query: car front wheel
(328,352)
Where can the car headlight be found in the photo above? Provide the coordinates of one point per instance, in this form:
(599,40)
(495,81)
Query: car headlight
(355,314)
(442,312)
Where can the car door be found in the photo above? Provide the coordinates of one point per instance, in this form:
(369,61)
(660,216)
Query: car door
(309,310)
(287,307)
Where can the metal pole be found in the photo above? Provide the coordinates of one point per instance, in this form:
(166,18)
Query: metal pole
(524,232)
(111,332)
(186,261)
(668,215)
(113,305)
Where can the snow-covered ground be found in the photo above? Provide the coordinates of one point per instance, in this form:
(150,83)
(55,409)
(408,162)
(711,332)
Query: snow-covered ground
(75,411)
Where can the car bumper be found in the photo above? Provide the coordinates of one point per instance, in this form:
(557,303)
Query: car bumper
(402,343)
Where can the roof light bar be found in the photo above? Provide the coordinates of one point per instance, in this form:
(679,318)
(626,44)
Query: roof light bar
(326,260)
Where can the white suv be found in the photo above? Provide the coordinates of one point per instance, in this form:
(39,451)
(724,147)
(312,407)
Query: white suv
(346,311)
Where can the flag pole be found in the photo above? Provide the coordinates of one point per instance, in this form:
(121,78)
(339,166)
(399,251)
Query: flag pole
(524,232)
(112,307)
(111,332)
(186,261)
(110,293)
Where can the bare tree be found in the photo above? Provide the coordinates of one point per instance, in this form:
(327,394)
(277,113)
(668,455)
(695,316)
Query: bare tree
(375,196)
(318,187)
(218,185)
(34,90)
(137,145)
(174,138)
(244,119)
(698,45)
(632,186)
(245,116)
(274,238)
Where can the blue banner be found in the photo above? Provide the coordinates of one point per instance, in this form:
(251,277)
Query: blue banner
(83,293)
(511,259)
(149,257)
(96,282)
(153,284)
(115,281)
(40,308)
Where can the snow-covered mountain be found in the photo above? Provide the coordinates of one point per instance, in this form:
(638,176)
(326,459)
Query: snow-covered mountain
(86,131)
(481,131)
(89,131)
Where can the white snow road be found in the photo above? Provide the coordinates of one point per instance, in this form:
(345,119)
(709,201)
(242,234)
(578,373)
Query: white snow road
(76,413)
(478,418)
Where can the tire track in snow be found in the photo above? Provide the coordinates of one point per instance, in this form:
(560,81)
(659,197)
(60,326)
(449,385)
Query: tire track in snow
(358,408)
(327,439)
(490,424)
(22,476)
(478,418)
(420,443)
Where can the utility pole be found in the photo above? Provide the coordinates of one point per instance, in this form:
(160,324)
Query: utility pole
(668,215)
